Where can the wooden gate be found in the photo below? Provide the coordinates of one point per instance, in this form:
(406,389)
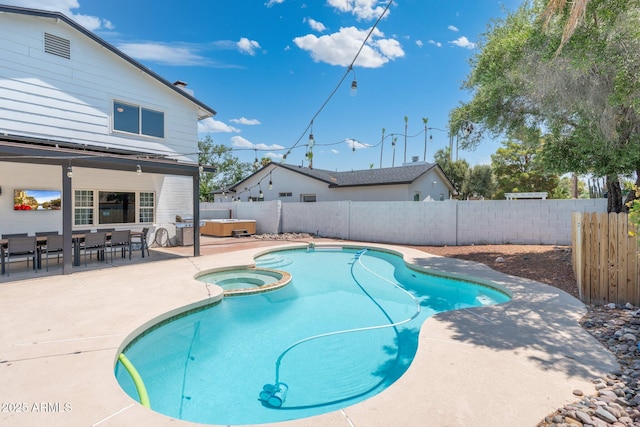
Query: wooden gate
(605,258)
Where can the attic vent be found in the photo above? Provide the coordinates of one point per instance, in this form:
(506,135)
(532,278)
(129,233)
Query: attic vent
(57,46)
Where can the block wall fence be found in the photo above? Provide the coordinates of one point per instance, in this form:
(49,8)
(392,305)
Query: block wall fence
(451,222)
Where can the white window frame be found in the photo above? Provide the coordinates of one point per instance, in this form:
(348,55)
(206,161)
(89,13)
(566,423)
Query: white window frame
(140,108)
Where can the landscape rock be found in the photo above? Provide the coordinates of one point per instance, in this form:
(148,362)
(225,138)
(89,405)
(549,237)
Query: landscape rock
(616,401)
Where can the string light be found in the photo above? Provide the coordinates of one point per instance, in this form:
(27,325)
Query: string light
(270,183)
(354,83)
(138,170)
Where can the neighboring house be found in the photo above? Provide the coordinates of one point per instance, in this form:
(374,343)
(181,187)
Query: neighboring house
(413,181)
(79,118)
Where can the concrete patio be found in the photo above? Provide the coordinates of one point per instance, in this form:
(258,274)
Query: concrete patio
(504,365)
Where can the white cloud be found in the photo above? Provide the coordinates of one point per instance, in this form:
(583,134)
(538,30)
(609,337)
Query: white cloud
(240,142)
(91,23)
(162,53)
(248,46)
(419,43)
(453,28)
(435,43)
(272,2)
(245,121)
(315,25)
(334,151)
(211,125)
(463,42)
(340,48)
(355,144)
(361,9)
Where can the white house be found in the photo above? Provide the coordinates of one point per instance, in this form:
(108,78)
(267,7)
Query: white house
(413,181)
(81,120)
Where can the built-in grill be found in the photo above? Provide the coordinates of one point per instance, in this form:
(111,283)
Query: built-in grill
(185,230)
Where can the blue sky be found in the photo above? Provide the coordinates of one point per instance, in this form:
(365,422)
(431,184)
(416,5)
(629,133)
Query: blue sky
(268,67)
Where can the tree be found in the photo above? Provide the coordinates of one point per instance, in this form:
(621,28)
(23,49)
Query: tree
(517,168)
(456,170)
(479,182)
(586,96)
(229,169)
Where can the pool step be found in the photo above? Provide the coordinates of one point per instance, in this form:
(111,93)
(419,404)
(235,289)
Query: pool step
(276,261)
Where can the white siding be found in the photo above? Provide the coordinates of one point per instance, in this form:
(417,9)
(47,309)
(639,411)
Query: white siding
(46,96)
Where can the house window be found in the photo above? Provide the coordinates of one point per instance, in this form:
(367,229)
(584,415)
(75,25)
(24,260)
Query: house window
(306,198)
(285,194)
(138,120)
(416,196)
(116,207)
(112,207)
(83,210)
(147,205)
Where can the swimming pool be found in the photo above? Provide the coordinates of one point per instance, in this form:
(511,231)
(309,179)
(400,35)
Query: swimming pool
(214,365)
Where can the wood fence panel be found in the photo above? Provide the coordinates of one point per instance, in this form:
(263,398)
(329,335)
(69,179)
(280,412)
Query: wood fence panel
(606,259)
(632,267)
(623,234)
(613,253)
(603,259)
(586,256)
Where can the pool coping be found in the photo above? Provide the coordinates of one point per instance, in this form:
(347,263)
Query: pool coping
(491,365)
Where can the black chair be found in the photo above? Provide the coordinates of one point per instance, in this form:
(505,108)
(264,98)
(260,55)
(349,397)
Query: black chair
(46,233)
(8,236)
(53,245)
(120,239)
(21,247)
(94,242)
(141,240)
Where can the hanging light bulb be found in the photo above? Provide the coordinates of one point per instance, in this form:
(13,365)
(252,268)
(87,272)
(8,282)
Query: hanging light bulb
(354,83)
(261,195)
(138,170)
(270,183)
(69,172)
(311,141)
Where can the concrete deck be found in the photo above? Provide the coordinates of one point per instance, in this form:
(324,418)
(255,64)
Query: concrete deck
(504,365)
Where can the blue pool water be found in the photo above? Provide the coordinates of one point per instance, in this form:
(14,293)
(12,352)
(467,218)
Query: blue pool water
(211,366)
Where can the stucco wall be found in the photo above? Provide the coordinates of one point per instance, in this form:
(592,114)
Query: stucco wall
(424,223)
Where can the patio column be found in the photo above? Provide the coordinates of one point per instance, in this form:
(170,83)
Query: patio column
(196,213)
(67,223)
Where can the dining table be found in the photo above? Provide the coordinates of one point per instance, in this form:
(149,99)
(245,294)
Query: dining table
(76,238)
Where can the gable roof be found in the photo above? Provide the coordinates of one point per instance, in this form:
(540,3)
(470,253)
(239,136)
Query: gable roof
(205,112)
(357,178)
(361,178)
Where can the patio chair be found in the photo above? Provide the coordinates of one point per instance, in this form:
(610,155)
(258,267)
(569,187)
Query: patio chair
(94,242)
(8,236)
(21,247)
(120,239)
(142,240)
(53,245)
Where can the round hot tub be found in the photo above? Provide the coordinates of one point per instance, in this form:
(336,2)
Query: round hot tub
(242,281)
